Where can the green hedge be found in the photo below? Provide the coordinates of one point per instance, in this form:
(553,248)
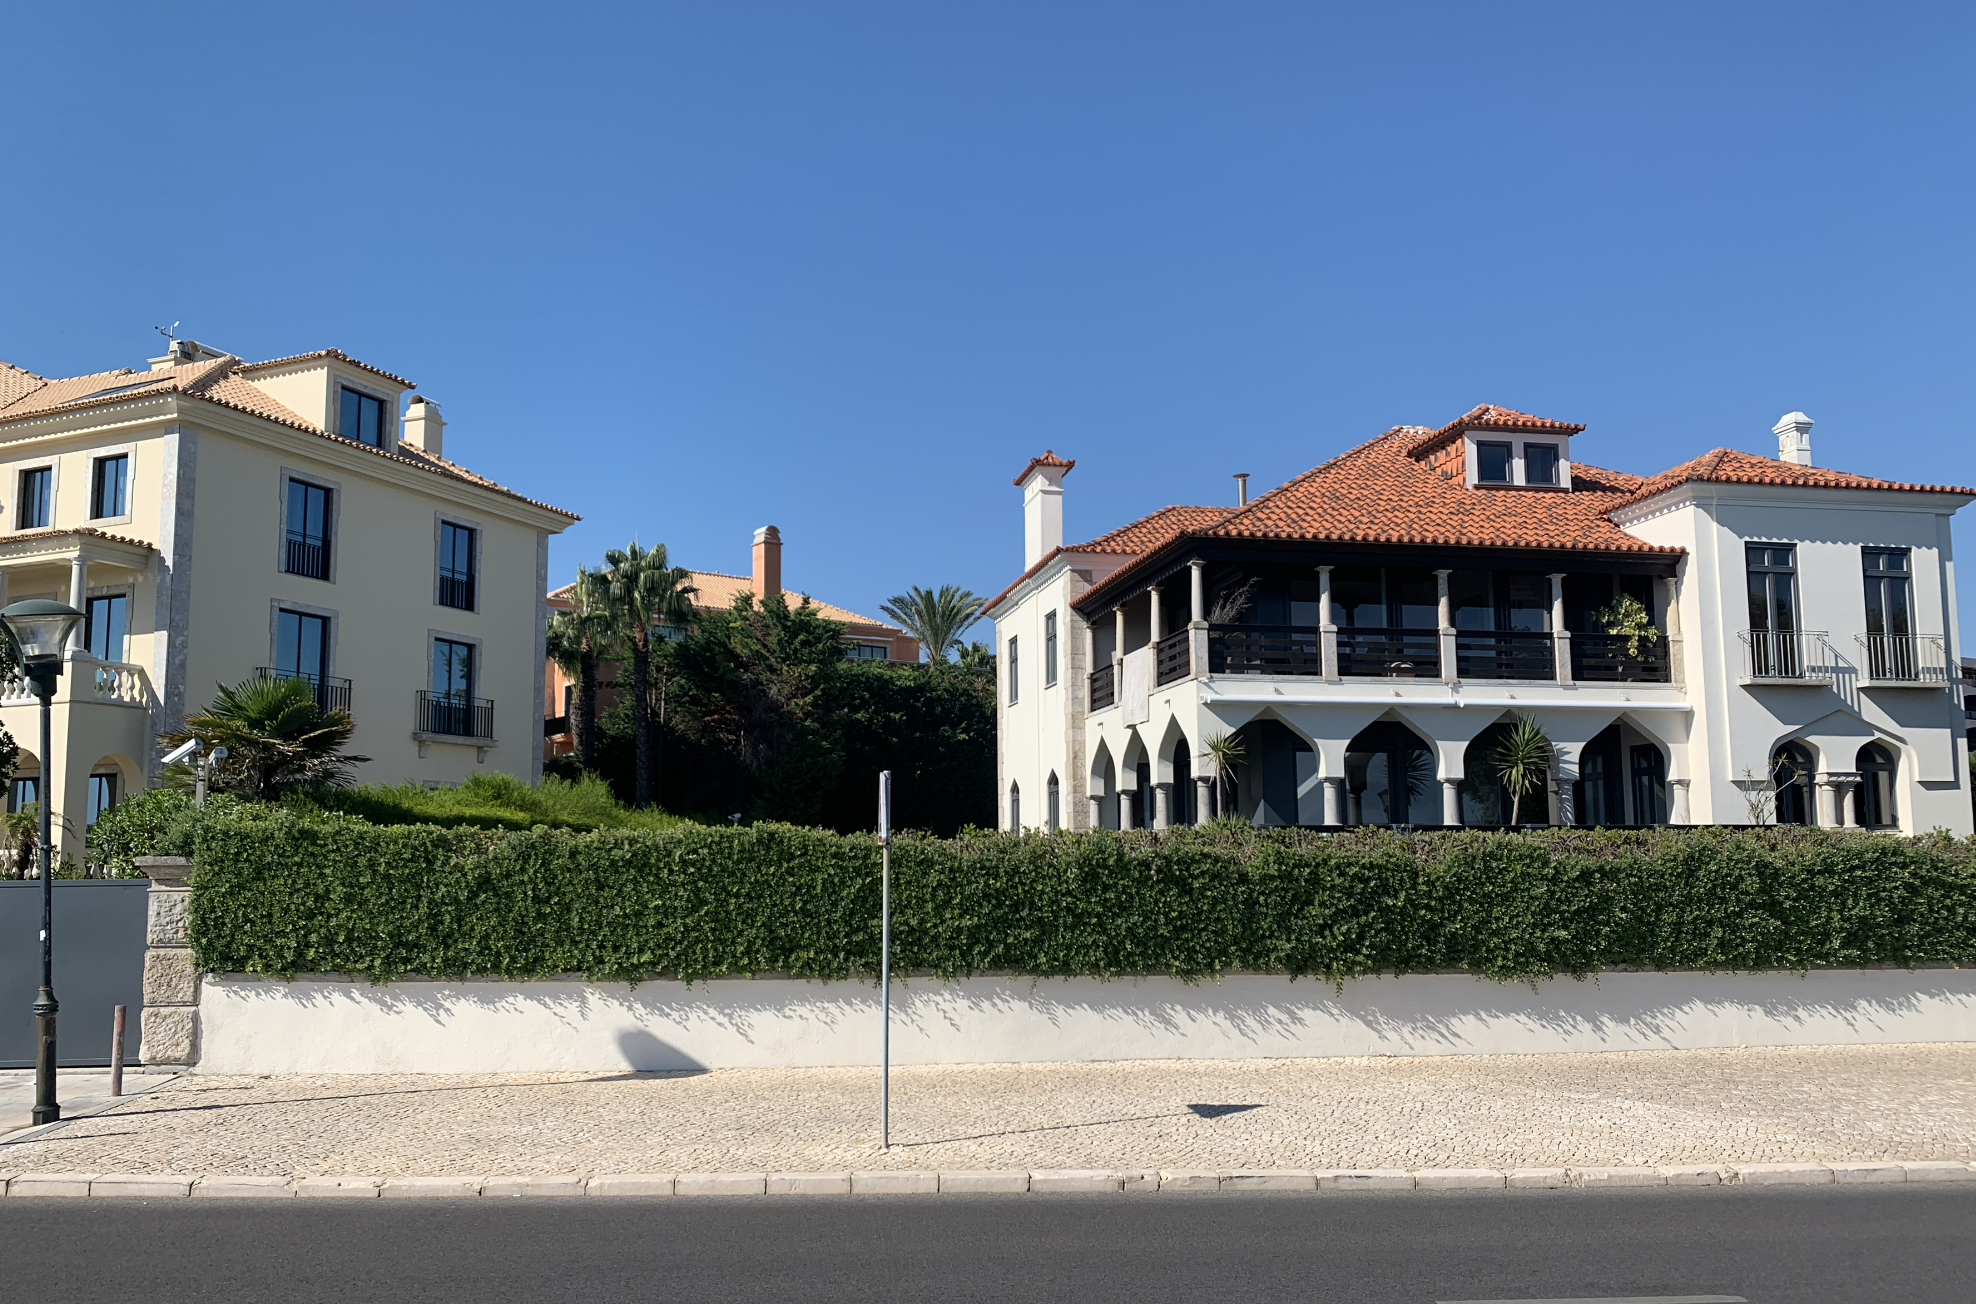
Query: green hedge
(279,894)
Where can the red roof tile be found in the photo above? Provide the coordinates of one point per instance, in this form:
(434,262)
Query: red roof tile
(1049,458)
(1487,416)
(1727,466)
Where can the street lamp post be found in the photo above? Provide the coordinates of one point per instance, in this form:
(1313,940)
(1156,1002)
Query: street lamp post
(40,628)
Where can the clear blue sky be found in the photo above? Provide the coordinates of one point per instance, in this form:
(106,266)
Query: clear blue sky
(691,269)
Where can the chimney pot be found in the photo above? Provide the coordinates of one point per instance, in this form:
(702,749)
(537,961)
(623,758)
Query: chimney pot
(423,428)
(1241,488)
(767,578)
(1793,431)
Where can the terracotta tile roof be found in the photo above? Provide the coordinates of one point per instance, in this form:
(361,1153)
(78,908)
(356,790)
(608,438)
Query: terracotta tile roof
(220,381)
(1727,466)
(1157,530)
(89,531)
(716,592)
(338,354)
(1049,458)
(1488,416)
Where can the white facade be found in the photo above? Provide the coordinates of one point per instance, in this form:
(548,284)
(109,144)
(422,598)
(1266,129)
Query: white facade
(194,575)
(1811,718)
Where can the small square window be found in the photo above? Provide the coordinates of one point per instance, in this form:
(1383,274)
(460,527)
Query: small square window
(1540,464)
(363,418)
(1492,463)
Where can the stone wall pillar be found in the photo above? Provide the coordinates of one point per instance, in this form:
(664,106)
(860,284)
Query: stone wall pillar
(170,1021)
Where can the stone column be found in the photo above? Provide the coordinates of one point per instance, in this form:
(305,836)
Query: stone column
(1451,801)
(1153,596)
(1677,801)
(1825,790)
(1118,654)
(1203,800)
(1128,798)
(1449,674)
(1334,801)
(170,1019)
(1097,812)
(1327,628)
(1843,789)
(1163,805)
(78,597)
(1560,636)
(1197,593)
(1354,808)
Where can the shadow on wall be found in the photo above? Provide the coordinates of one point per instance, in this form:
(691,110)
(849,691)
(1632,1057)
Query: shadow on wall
(647,1054)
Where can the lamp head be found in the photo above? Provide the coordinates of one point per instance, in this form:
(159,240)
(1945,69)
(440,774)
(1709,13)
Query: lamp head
(40,627)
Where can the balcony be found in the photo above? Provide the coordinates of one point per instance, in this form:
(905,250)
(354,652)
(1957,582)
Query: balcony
(1785,656)
(1175,657)
(456,589)
(1903,660)
(1104,688)
(1390,653)
(1621,659)
(1505,654)
(331,694)
(307,556)
(1265,650)
(446,716)
(555,726)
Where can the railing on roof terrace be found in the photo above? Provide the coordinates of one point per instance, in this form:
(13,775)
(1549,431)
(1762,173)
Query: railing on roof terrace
(1505,654)
(1265,650)
(1390,653)
(1622,659)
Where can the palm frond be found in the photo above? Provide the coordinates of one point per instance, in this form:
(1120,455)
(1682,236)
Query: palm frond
(937,618)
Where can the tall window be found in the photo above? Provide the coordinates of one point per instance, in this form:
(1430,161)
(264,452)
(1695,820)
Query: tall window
(1889,624)
(308,531)
(36,499)
(102,795)
(1013,680)
(109,487)
(363,418)
(1015,809)
(1790,775)
(105,624)
(1876,786)
(452,670)
(450,707)
(1049,650)
(23,793)
(455,566)
(1773,578)
(1649,785)
(301,646)
(1055,812)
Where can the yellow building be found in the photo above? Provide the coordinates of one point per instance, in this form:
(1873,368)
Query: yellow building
(219,520)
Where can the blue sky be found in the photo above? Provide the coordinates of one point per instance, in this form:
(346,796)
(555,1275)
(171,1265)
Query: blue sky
(691,269)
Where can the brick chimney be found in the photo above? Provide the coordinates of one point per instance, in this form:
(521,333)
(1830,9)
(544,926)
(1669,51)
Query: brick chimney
(768,562)
(423,428)
(1793,431)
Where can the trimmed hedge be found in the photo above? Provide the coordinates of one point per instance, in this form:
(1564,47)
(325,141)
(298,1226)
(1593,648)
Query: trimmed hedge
(279,894)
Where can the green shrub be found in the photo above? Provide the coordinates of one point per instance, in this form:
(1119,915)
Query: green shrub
(493,801)
(160,822)
(280,894)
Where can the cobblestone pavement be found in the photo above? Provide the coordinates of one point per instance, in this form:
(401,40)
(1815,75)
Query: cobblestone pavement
(1654,1107)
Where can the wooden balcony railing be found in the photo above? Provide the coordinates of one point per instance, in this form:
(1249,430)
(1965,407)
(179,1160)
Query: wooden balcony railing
(1104,690)
(1621,659)
(1505,654)
(1174,657)
(1390,653)
(1265,650)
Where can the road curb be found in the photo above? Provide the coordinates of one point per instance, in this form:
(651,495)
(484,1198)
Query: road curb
(922,1181)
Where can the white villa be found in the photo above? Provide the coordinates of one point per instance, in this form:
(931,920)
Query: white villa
(219,520)
(1367,633)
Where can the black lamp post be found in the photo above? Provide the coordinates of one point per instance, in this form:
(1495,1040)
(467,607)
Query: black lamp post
(40,629)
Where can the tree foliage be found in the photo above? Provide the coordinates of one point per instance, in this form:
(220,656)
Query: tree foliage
(276,736)
(936,617)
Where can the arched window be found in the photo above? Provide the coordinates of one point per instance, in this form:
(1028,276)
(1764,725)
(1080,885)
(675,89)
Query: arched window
(1015,808)
(1877,769)
(1790,773)
(1055,812)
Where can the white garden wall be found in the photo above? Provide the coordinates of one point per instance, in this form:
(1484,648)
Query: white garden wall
(328,1026)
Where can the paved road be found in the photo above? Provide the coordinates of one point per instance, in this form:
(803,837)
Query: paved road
(1897,1246)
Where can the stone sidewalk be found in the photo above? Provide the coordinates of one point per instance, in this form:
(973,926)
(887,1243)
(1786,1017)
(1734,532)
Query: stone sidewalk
(1834,1106)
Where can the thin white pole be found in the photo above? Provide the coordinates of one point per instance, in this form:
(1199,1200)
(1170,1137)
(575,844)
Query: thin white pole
(885,958)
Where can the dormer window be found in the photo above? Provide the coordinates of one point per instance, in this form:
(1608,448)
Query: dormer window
(362,418)
(1540,464)
(1492,463)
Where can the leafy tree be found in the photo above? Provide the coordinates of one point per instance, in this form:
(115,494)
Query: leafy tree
(936,619)
(1522,760)
(276,736)
(578,639)
(644,595)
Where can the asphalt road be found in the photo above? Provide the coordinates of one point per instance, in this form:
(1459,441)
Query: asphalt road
(1891,1246)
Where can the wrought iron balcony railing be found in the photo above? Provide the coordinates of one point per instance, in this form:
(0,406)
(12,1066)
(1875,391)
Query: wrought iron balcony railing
(1784,654)
(1904,659)
(331,694)
(458,717)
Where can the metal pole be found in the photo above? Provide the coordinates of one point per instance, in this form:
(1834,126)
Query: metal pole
(199,789)
(117,1052)
(885,959)
(46,1108)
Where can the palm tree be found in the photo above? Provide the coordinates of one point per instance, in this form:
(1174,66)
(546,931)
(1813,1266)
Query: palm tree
(1226,752)
(577,639)
(1522,759)
(937,620)
(276,737)
(644,595)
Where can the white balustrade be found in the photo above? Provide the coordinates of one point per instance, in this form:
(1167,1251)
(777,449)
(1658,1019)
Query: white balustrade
(119,682)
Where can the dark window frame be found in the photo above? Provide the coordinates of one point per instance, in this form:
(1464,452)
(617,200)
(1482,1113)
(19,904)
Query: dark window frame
(1556,455)
(1508,451)
(34,506)
(1014,687)
(1049,649)
(309,554)
(90,628)
(459,588)
(99,481)
(353,405)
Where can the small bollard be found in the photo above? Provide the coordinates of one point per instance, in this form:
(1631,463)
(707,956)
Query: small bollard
(116,1053)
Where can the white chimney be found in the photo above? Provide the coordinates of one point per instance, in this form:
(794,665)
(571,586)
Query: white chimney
(1793,431)
(1041,483)
(423,427)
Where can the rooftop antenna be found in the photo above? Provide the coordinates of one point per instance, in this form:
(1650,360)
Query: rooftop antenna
(169,332)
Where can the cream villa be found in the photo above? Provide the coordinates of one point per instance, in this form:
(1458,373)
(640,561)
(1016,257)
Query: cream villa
(1738,638)
(219,520)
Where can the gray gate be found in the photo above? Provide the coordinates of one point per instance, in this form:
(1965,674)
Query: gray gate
(99,965)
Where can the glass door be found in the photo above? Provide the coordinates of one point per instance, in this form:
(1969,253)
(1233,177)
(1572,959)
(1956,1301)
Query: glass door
(1773,580)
